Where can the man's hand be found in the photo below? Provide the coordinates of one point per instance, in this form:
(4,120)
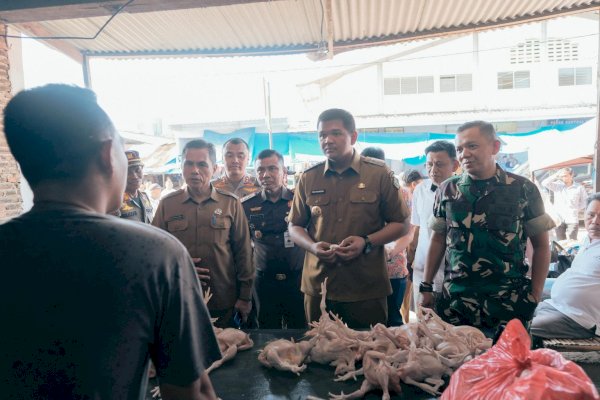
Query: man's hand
(426,300)
(351,247)
(324,251)
(203,273)
(244,307)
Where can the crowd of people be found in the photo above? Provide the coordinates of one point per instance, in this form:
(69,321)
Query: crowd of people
(109,294)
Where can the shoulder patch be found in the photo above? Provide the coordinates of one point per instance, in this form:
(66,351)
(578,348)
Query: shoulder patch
(374,161)
(226,193)
(249,196)
(314,166)
(173,194)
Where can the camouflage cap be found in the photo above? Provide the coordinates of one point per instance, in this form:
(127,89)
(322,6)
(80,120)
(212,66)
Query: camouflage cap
(133,158)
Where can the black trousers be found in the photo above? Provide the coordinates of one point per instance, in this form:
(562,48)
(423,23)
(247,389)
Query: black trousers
(279,302)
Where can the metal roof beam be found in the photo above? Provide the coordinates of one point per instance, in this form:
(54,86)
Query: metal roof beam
(20,11)
(35,29)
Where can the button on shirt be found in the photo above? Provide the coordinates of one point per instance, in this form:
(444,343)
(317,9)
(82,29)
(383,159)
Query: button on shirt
(333,206)
(575,292)
(216,231)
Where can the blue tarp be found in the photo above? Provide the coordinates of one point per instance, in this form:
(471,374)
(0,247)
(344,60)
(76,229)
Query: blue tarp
(407,147)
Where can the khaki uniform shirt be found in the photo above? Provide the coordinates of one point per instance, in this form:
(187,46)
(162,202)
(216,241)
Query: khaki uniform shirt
(332,206)
(246,186)
(136,208)
(216,231)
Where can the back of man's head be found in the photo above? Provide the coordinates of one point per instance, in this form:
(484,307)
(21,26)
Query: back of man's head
(54,131)
(374,152)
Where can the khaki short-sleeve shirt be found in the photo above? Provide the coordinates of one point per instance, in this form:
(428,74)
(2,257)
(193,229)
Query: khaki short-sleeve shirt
(332,206)
(216,231)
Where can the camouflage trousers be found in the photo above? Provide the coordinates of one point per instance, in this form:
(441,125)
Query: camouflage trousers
(486,305)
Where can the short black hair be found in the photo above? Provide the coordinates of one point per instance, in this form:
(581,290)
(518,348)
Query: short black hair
(442,145)
(374,152)
(201,144)
(593,197)
(55,131)
(484,127)
(410,176)
(270,153)
(337,113)
(235,140)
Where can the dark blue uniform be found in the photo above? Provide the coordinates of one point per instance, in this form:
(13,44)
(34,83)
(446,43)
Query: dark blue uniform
(278,262)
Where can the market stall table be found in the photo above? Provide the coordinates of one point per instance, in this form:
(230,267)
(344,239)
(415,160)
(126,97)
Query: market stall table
(245,378)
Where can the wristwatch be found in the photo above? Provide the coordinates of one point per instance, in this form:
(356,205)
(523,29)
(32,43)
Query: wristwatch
(425,287)
(368,245)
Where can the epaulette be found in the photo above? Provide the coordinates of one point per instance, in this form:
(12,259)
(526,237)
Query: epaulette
(172,194)
(249,196)
(314,166)
(375,161)
(226,193)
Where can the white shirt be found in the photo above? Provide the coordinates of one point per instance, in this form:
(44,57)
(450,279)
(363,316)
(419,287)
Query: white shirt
(576,292)
(568,200)
(422,210)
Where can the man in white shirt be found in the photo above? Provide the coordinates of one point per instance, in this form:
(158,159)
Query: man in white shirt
(569,198)
(573,311)
(441,164)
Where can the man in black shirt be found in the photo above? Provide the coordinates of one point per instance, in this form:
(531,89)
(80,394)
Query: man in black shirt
(88,299)
(278,261)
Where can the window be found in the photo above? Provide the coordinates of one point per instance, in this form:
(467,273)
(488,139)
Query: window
(513,80)
(456,83)
(408,85)
(574,76)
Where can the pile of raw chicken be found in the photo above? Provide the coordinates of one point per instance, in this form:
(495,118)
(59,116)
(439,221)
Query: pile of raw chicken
(230,341)
(419,353)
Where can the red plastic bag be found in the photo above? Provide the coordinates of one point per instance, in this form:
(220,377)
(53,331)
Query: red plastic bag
(511,371)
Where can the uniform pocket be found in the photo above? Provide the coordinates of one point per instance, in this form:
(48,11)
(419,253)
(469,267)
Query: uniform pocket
(177,226)
(220,227)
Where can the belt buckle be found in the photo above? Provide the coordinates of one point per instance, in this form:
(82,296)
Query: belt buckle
(280,277)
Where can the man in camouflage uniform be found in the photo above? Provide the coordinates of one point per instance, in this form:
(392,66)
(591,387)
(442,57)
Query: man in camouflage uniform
(481,221)
(136,204)
(236,154)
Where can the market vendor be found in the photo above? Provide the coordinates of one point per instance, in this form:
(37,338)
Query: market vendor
(88,299)
(481,222)
(573,311)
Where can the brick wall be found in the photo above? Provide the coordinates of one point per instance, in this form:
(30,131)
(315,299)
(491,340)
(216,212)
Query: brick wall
(10,194)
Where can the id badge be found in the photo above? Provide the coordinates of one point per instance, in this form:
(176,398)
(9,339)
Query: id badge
(287,241)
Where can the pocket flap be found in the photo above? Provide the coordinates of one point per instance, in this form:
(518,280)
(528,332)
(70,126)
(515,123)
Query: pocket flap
(317,200)
(363,196)
(178,225)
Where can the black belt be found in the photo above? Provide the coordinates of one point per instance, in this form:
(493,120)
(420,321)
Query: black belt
(279,276)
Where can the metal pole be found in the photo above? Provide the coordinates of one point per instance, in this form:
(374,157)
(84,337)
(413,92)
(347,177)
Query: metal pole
(596,165)
(267,98)
(85,65)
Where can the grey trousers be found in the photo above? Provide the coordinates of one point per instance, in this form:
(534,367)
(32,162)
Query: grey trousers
(549,323)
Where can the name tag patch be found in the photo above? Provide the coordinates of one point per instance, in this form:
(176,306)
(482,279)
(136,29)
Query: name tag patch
(318,191)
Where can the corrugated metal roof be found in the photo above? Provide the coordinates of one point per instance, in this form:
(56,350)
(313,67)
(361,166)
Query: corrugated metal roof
(295,25)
